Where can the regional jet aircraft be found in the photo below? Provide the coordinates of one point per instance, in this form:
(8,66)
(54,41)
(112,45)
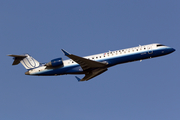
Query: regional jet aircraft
(91,66)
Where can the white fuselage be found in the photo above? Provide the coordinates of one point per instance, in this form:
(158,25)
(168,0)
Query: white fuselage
(111,58)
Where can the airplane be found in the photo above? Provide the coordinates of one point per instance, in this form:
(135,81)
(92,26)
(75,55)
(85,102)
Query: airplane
(92,65)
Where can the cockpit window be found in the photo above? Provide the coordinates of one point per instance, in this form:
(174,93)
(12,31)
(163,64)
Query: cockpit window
(160,45)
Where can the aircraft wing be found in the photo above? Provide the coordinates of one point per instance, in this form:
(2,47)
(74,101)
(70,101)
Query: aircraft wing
(92,74)
(85,63)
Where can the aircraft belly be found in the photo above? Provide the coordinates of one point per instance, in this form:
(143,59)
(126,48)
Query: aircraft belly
(58,71)
(75,70)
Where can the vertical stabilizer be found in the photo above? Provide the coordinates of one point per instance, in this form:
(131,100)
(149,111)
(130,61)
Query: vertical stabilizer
(26,60)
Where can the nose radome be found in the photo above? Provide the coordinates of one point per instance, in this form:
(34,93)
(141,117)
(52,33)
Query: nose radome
(27,73)
(172,50)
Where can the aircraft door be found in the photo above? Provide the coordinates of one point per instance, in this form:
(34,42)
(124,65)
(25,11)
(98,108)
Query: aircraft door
(150,50)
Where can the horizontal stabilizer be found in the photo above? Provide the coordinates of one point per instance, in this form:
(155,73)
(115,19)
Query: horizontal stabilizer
(17,58)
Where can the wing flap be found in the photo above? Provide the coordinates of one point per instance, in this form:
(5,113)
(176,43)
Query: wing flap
(92,74)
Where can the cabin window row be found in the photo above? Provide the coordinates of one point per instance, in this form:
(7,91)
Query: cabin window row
(116,52)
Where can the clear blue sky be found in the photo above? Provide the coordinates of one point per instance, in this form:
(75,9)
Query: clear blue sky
(147,90)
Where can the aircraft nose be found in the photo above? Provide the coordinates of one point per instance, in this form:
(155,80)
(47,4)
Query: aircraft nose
(27,73)
(172,50)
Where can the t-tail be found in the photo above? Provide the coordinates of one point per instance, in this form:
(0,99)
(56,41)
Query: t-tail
(26,60)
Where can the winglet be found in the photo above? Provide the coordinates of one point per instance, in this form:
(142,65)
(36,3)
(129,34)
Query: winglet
(65,52)
(78,78)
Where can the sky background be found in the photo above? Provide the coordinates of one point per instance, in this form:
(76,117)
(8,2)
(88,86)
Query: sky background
(147,90)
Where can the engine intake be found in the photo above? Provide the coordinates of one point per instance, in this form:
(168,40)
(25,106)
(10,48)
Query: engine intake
(58,62)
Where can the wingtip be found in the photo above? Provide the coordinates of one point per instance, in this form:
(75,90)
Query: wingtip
(65,52)
(78,78)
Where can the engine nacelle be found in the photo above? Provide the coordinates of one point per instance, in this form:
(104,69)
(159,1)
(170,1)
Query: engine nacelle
(58,62)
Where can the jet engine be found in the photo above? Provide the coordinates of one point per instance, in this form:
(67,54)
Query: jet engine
(58,62)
